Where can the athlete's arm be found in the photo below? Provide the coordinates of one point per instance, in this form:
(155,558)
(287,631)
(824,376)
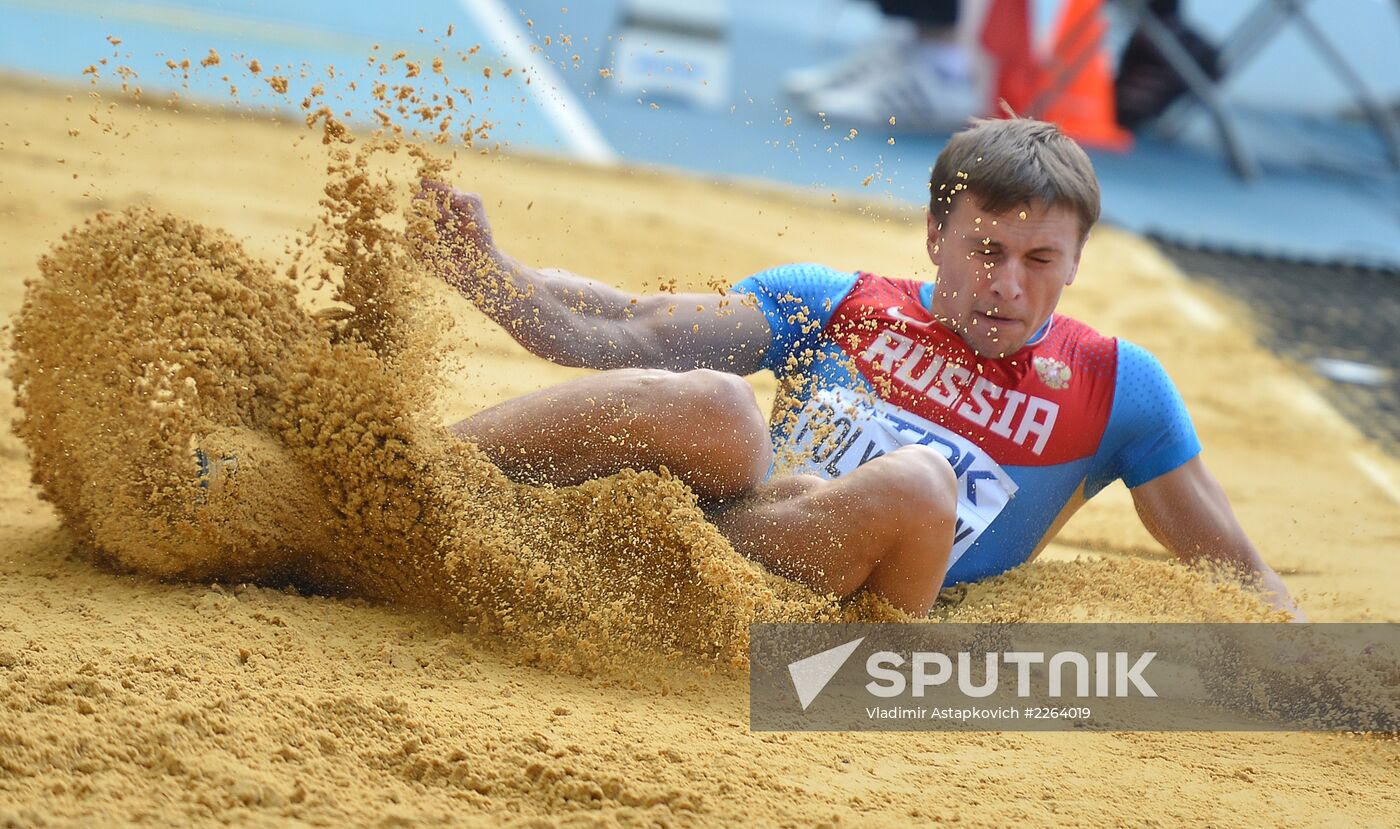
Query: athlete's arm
(1187,512)
(576,321)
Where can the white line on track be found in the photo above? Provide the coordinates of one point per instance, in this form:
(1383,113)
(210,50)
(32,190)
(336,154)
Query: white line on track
(1377,474)
(562,108)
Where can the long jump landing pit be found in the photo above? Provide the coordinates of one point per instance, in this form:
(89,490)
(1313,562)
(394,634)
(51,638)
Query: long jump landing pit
(131,700)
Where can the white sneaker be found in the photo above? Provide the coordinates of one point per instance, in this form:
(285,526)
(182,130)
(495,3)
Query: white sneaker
(895,37)
(928,88)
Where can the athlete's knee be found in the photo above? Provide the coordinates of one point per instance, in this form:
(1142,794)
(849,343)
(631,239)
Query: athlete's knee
(699,395)
(733,427)
(717,396)
(927,471)
(919,486)
(713,425)
(912,530)
(721,408)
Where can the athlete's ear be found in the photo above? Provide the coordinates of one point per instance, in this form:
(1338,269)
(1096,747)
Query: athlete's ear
(1074,268)
(935,241)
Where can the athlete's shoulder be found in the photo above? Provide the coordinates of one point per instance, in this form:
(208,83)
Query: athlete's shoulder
(1074,333)
(1150,431)
(872,296)
(797,300)
(1079,346)
(797,278)
(871,283)
(1137,363)
(807,290)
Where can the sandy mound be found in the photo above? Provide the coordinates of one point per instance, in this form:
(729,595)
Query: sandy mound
(190,419)
(1096,590)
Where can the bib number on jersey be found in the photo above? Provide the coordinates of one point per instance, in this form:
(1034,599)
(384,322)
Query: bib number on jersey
(837,431)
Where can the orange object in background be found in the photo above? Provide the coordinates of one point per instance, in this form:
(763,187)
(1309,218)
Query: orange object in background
(1074,87)
(1083,106)
(1006,37)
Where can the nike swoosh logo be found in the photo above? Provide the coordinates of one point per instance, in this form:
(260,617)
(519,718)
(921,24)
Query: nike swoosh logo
(894,311)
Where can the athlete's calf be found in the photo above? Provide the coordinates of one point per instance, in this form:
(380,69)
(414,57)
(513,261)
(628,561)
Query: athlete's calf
(886,527)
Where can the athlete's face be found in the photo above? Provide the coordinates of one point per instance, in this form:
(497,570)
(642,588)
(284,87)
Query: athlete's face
(1000,275)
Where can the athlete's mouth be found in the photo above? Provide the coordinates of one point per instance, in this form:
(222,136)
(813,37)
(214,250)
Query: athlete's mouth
(997,319)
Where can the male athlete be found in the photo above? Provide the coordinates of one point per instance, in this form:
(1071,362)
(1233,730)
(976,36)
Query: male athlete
(932,433)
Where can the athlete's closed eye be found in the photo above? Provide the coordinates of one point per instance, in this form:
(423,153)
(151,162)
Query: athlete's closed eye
(988,250)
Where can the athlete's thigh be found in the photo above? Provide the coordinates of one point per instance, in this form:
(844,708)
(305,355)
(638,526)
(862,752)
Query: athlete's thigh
(570,432)
(704,426)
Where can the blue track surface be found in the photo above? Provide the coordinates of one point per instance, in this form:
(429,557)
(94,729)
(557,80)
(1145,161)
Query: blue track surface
(1328,193)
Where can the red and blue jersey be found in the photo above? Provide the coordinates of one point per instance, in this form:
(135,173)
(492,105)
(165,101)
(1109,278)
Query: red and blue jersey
(867,369)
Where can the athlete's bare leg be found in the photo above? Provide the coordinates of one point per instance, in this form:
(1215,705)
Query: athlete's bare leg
(886,527)
(704,426)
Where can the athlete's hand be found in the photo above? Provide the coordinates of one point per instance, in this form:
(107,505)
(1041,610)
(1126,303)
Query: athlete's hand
(464,252)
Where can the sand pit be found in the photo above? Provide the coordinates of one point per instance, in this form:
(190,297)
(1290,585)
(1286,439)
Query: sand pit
(132,700)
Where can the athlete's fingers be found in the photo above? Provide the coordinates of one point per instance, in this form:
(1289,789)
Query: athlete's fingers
(470,216)
(448,199)
(440,196)
(434,190)
(461,223)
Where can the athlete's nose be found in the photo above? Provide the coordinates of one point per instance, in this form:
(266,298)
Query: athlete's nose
(1006,280)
